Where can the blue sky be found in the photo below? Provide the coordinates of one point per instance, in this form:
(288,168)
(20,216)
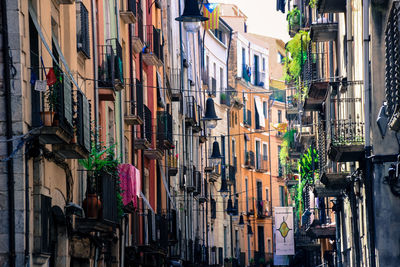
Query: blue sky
(262,17)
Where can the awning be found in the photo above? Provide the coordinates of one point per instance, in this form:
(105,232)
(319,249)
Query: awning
(146,202)
(160,91)
(260,111)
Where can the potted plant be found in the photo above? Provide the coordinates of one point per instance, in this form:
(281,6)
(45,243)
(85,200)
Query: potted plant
(223,98)
(48,115)
(94,164)
(294,20)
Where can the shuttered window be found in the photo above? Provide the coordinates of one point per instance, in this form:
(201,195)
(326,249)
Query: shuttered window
(392,55)
(82,29)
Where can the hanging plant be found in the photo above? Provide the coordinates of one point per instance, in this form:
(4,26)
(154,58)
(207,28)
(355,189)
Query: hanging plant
(296,56)
(313,3)
(287,142)
(294,18)
(308,164)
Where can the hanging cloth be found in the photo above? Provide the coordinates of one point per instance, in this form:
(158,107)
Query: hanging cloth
(127,184)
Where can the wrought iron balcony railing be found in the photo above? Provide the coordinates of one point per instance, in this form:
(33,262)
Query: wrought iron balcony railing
(164,130)
(131,113)
(263,208)
(138,36)
(261,163)
(128,11)
(153,51)
(111,65)
(249,160)
(148,124)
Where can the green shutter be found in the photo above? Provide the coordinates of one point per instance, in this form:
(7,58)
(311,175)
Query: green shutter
(67,90)
(86,122)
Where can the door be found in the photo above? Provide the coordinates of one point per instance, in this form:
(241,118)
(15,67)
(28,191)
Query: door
(261,244)
(256,71)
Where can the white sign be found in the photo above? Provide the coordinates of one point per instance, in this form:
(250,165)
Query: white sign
(284,232)
(40,85)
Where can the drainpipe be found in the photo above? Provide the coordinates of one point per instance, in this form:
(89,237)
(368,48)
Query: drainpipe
(9,135)
(369,187)
(27,213)
(95,72)
(121,119)
(133,128)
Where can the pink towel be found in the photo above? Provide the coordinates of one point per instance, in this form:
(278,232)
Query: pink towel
(127,179)
(138,180)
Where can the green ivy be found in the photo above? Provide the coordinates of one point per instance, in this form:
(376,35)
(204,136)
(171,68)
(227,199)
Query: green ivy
(293,17)
(313,3)
(296,50)
(308,166)
(287,142)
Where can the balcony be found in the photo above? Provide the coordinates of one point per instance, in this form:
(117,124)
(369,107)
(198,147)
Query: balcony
(172,164)
(213,90)
(347,133)
(259,77)
(131,116)
(331,6)
(80,144)
(203,197)
(318,231)
(143,142)
(261,163)
(321,190)
(137,39)
(175,84)
(52,111)
(316,75)
(100,204)
(155,151)
(164,130)
(246,72)
(249,161)
(323,30)
(128,12)
(197,182)
(191,112)
(153,52)
(336,180)
(263,209)
(205,77)
(247,118)
(110,70)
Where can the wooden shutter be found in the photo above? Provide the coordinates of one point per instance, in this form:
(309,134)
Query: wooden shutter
(67,91)
(82,25)
(86,122)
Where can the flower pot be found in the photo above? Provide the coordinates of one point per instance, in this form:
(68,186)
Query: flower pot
(47,117)
(91,206)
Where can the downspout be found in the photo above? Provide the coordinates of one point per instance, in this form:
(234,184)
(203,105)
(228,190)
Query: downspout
(95,72)
(27,213)
(369,187)
(9,135)
(132,85)
(121,119)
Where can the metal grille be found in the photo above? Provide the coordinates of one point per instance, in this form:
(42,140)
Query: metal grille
(321,146)
(392,75)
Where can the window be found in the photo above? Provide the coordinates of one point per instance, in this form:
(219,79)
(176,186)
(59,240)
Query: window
(225,242)
(280,170)
(110,126)
(82,29)
(265,152)
(259,191)
(247,195)
(263,63)
(282,196)
(221,79)
(258,156)
(279,116)
(267,194)
(269,246)
(280,58)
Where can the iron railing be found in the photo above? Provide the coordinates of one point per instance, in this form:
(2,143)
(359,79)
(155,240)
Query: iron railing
(131,108)
(347,125)
(164,130)
(262,162)
(139,21)
(213,89)
(316,67)
(148,124)
(110,64)
(249,159)
(263,208)
(191,112)
(153,41)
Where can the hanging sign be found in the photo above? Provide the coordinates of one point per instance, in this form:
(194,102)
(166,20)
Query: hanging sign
(41,85)
(284,232)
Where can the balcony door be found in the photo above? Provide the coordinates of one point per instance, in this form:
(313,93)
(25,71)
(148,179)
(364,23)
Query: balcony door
(256,70)
(258,154)
(261,242)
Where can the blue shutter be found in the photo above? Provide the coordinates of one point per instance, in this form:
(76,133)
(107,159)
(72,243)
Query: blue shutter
(67,91)
(86,123)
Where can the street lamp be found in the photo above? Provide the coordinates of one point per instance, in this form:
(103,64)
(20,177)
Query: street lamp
(241,221)
(249,230)
(191,16)
(215,154)
(229,209)
(224,188)
(210,116)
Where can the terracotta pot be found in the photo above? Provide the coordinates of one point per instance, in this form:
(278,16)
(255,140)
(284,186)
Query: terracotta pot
(47,117)
(91,206)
